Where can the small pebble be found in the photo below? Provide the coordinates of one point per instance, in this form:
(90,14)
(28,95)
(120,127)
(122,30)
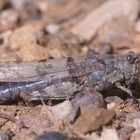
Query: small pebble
(135,135)
(62,110)
(52,136)
(92,118)
(52,28)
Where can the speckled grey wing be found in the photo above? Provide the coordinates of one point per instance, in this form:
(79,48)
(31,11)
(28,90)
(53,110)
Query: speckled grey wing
(45,69)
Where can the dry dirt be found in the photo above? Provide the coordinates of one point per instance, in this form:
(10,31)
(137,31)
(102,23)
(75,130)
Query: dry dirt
(43,29)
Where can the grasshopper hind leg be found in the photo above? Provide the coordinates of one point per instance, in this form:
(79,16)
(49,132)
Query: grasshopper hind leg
(128,91)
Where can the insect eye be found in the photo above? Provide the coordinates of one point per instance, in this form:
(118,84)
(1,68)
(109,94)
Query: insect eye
(131,57)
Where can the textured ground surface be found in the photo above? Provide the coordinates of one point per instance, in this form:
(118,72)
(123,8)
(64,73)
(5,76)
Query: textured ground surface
(42,29)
